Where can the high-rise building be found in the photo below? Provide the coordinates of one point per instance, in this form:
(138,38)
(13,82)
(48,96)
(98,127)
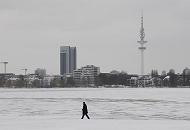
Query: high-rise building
(73,63)
(68,59)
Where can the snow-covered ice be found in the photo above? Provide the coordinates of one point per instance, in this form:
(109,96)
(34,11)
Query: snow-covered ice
(122,108)
(58,124)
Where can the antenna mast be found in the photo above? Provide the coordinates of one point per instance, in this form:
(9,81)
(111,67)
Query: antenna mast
(142,42)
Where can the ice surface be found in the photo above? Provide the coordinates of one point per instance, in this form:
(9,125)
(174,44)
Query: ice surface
(122,108)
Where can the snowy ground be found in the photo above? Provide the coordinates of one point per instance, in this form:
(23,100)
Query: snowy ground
(123,108)
(54,124)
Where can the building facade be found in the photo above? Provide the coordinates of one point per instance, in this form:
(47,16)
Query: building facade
(68,60)
(86,75)
(40,72)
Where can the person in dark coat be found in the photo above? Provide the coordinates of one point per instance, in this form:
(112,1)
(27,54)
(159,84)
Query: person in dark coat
(85,111)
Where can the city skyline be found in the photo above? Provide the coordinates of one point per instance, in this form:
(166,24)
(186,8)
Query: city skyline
(104,32)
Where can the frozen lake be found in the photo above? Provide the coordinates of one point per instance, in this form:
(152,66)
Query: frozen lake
(117,104)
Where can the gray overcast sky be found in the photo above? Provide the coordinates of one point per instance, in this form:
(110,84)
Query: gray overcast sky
(104,31)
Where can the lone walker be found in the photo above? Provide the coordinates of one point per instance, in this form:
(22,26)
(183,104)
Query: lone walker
(85,111)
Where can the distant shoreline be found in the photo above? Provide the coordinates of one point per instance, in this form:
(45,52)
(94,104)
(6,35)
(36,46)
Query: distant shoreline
(88,87)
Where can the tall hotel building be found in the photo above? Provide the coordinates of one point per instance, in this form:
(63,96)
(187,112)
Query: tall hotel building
(68,59)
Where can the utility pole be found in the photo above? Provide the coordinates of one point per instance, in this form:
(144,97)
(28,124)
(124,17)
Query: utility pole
(5,66)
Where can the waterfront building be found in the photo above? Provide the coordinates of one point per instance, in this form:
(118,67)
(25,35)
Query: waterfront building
(86,75)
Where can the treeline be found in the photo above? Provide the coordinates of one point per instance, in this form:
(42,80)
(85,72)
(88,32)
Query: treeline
(170,79)
(114,79)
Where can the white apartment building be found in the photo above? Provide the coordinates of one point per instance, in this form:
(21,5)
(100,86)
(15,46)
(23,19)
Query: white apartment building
(86,75)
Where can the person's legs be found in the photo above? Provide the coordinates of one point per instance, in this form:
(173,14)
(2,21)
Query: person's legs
(82,116)
(87,116)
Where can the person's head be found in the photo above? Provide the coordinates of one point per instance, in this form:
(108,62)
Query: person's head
(83,103)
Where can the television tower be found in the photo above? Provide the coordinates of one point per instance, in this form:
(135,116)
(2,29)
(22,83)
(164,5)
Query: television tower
(5,66)
(142,42)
